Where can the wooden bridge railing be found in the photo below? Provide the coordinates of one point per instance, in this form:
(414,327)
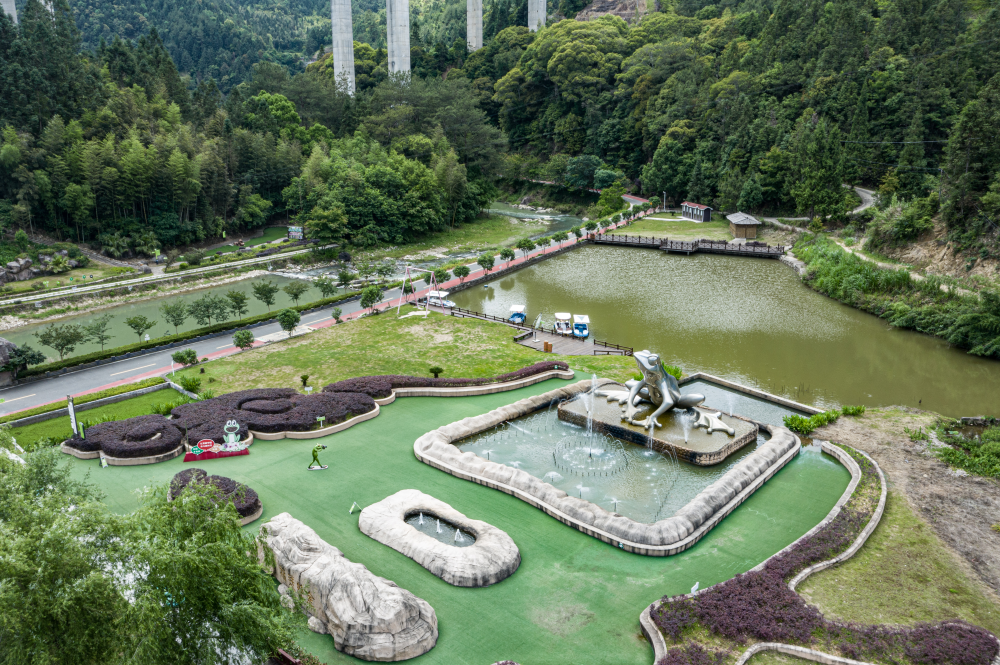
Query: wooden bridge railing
(702,245)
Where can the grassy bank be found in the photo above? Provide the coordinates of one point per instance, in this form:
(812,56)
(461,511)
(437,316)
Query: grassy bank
(903,575)
(968,321)
(384,344)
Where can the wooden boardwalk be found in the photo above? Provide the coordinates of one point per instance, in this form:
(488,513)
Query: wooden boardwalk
(752,249)
(535,338)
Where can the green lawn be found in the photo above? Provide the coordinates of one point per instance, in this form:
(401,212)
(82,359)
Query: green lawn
(80,277)
(59,429)
(486,233)
(384,344)
(573,599)
(271,233)
(903,575)
(659,226)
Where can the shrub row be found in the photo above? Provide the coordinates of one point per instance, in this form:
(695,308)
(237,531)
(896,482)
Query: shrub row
(83,399)
(382,386)
(268,410)
(170,339)
(243,498)
(135,437)
(758,605)
(804,425)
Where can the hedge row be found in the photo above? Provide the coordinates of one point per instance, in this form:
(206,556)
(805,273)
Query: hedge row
(83,399)
(170,339)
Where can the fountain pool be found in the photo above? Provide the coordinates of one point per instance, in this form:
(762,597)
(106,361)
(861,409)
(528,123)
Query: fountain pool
(440,530)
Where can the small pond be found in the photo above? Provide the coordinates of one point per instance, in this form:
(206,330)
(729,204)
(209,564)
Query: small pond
(440,529)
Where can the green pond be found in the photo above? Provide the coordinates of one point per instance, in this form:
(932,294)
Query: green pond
(751,321)
(151,310)
(574,599)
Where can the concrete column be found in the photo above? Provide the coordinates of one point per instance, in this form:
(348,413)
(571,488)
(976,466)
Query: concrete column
(9,9)
(474,24)
(397,17)
(536,14)
(343,43)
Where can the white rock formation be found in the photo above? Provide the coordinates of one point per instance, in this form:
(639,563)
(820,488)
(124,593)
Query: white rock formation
(369,617)
(493,557)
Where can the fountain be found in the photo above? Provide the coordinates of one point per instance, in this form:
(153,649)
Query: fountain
(441,531)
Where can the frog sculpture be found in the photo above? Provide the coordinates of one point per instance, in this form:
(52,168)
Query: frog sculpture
(656,387)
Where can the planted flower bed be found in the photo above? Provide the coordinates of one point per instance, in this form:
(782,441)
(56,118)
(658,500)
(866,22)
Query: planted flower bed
(144,436)
(268,410)
(380,387)
(243,498)
(758,606)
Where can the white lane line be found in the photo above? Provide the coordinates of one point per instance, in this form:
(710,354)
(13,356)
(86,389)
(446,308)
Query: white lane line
(133,369)
(224,346)
(318,320)
(17,398)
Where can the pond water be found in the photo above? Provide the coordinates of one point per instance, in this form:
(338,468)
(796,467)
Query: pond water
(440,530)
(750,321)
(620,476)
(151,310)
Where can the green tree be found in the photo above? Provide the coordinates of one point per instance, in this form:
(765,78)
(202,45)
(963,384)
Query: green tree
(19,359)
(370,296)
(336,313)
(237,303)
(461,272)
(526,245)
(751,196)
(296,288)
(185,357)
(507,255)
(326,225)
(97,330)
(208,307)
(175,314)
(21,240)
(818,189)
(441,275)
(265,291)
(486,262)
(243,339)
(344,278)
(63,338)
(452,181)
(139,324)
(327,287)
(288,319)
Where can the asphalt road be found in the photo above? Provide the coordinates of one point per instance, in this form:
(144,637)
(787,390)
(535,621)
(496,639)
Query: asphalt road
(36,393)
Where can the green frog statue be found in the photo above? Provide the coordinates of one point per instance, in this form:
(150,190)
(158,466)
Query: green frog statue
(315,465)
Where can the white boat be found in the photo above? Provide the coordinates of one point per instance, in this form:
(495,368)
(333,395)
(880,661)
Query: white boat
(563,325)
(581,326)
(439,299)
(517,314)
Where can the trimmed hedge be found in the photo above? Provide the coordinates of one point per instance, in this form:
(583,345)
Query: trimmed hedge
(243,498)
(268,410)
(381,386)
(83,399)
(170,339)
(135,437)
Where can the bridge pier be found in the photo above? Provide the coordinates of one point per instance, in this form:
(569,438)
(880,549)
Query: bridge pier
(474,24)
(536,14)
(397,18)
(343,43)
(9,9)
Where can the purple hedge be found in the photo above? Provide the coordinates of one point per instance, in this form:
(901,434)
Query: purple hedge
(382,386)
(243,498)
(268,410)
(143,436)
(759,605)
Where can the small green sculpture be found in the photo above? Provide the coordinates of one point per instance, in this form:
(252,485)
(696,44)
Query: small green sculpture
(315,465)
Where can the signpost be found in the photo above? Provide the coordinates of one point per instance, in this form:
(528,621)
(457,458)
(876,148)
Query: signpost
(295,233)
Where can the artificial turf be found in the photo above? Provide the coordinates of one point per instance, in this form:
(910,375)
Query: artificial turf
(573,600)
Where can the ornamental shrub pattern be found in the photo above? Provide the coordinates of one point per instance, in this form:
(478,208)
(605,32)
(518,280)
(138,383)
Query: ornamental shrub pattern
(143,436)
(243,498)
(381,386)
(759,606)
(268,410)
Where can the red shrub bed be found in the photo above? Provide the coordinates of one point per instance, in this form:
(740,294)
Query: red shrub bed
(267,410)
(143,436)
(243,498)
(382,386)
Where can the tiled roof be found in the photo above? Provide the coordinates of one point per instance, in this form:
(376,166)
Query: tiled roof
(695,205)
(742,219)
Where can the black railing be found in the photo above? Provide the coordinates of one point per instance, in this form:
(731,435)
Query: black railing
(751,248)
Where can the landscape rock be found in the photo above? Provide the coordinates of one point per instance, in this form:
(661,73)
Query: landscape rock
(369,617)
(493,557)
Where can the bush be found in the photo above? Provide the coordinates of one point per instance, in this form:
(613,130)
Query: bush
(381,386)
(222,489)
(185,357)
(797,423)
(192,384)
(853,410)
(243,339)
(142,436)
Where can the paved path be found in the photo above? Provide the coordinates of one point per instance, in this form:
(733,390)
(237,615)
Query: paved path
(867,197)
(36,393)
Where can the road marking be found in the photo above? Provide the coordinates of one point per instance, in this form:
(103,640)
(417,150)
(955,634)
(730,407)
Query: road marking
(323,319)
(17,398)
(224,346)
(133,369)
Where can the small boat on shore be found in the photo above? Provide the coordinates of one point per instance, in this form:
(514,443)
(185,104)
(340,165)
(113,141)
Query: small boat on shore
(517,314)
(562,325)
(581,326)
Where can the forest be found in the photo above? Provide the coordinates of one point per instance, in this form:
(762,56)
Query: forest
(761,105)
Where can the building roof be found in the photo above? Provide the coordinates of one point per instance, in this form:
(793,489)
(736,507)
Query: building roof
(742,219)
(695,205)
